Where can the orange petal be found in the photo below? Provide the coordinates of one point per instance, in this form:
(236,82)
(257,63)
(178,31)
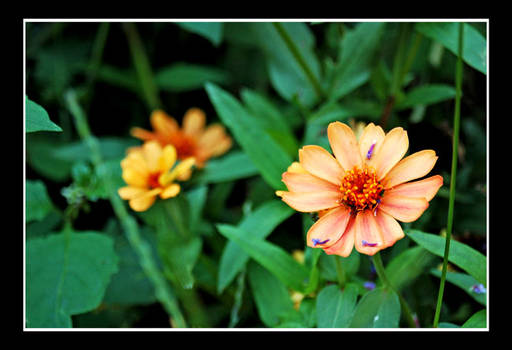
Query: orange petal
(389,228)
(321,163)
(170,191)
(163,123)
(343,247)
(426,188)
(194,122)
(393,148)
(372,135)
(129,192)
(329,228)
(295,167)
(344,145)
(142,134)
(305,182)
(405,209)
(311,202)
(142,203)
(368,236)
(412,167)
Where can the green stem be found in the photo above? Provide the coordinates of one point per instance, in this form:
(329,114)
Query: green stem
(300,60)
(142,66)
(96,57)
(453,176)
(141,247)
(381,272)
(341,272)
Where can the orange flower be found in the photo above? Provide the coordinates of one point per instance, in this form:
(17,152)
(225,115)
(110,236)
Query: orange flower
(362,190)
(148,171)
(192,140)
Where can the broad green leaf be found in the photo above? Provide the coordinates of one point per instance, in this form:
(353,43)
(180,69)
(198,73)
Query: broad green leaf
(407,266)
(447,325)
(266,155)
(462,255)
(335,308)
(182,76)
(213,31)
(465,282)
(478,320)
(110,147)
(258,224)
(270,294)
(38,204)
(426,95)
(379,308)
(66,276)
(474,52)
(269,255)
(196,200)
(44,227)
(354,65)
(286,74)
(233,166)
(37,118)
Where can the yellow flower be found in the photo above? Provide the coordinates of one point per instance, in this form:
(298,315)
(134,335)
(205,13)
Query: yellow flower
(362,190)
(192,140)
(148,171)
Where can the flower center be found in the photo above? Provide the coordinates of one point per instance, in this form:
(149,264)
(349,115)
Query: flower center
(360,189)
(185,146)
(153,180)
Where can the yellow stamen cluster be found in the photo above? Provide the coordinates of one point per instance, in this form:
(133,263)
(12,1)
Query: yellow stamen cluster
(360,189)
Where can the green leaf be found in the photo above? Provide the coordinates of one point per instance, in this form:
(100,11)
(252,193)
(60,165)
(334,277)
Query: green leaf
(270,294)
(407,266)
(38,203)
(474,52)
(270,256)
(447,325)
(110,147)
(213,31)
(266,155)
(354,67)
(258,224)
(37,118)
(233,166)
(379,308)
(478,320)
(196,200)
(426,95)
(182,76)
(67,274)
(462,255)
(335,308)
(286,75)
(465,282)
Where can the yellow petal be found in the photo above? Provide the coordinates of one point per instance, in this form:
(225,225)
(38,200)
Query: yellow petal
(134,178)
(167,159)
(152,152)
(170,191)
(344,145)
(371,135)
(295,167)
(368,238)
(329,228)
(393,148)
(412,167)
(129,192)
(343,247)
(312,201)
(426,188)
(178,172)
(194,122)
(405,209)
(321,163)
(143,202)
(305,182)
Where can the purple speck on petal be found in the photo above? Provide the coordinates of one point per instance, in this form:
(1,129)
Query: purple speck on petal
(367,244)
(317,241)
(370,151)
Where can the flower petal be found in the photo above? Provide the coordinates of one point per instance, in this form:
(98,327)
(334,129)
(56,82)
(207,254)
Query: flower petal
(152,152)
(343,247)
(389,228)
(412,167)
(344,145)
(129,192)
(426,188)
(170,191)
(393,148)
(134,178)
(178,172)
(371,138)
(329,228)
(305,182)
(295,167)
(163,123)
(194,122)
(405,209)
(167,158)
(142,134)
(368,236)
(310,202)
(321,163)
(142,203)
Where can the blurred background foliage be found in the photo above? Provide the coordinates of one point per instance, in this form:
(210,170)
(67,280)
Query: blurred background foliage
(292,79)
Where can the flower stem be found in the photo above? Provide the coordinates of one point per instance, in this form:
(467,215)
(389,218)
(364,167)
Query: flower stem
(379,267)
(451,201)
(141,247)
(340,271)
(300,60)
